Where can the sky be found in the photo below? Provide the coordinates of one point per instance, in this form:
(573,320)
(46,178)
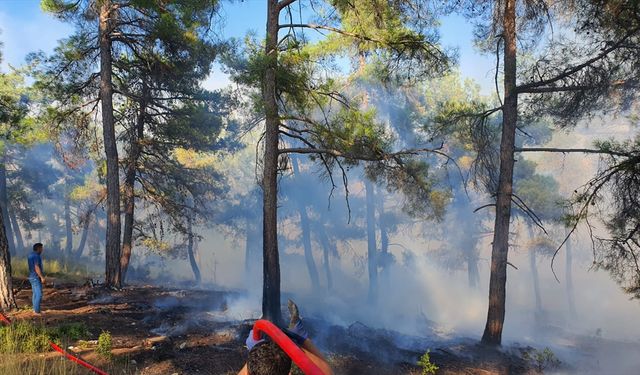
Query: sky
(25,28)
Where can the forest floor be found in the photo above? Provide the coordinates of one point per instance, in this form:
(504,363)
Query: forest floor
(185,331)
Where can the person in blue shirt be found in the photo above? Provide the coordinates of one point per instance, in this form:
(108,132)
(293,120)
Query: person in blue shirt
(36,275)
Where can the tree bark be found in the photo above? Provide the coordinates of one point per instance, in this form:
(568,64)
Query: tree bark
(4,205)
(16,229)
(384,257)
(306,235)
(112,266)
(7,299)
(499,253)
(83,239)
(536,280)
(271,261)
(68,247)
(327,249)
(372,259)
(136,137)
(569,276)
(190,249)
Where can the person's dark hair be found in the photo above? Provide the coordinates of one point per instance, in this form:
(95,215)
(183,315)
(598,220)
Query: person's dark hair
(268,359)
(37,246)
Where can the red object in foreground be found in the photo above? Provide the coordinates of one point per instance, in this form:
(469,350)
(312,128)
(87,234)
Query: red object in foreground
(296,354)
(3,318)
(77,360)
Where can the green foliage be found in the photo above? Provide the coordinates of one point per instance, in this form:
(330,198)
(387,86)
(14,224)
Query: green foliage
(64,270)
(27,337)
(104,345)
(542,360)
(428,368)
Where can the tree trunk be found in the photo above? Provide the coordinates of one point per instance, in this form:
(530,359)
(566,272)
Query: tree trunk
(327,249)
(306,235)
(83,239)
(271,261)
(4,205)
(112,266)
(192,258)
(472,269)
(536,280)
(569,276)
(68,247)
(136,137)
(372,259)
(499,253)
(384,260)
(7,299)
(16,229)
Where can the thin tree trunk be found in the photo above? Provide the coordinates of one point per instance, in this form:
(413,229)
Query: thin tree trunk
(536,280)
(4,205)
(83,238)
(271,261)
(112,266)
(384,257)
(569,276)
(499,253)
(192,258)
(68,247)
(372,259)
(306,235)
(136,137)
(16,229)
(327,249)
(472,269)
(7,299)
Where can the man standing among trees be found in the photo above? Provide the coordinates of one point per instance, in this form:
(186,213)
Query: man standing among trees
(36,275)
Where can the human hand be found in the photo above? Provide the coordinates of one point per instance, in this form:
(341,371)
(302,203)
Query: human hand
(42,280)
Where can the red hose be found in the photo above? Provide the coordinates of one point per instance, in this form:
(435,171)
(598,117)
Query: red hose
(77,360)
(4,319)
(289,347)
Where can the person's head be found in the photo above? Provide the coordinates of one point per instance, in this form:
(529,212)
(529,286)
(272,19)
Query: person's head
(38,248)
(268,359)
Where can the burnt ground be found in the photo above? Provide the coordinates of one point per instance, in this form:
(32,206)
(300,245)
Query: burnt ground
(180,331)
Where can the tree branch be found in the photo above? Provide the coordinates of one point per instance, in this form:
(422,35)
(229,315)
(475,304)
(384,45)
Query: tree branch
(571,150)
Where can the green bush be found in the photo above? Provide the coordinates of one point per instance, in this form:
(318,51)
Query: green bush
(104,345)
(27,337)
(542,359)
(428,368)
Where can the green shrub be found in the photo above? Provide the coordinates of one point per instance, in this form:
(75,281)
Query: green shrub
(104,345)
(427,366)
(27,337)
(542,359)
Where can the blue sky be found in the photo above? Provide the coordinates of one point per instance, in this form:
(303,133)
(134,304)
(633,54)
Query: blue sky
(25,28)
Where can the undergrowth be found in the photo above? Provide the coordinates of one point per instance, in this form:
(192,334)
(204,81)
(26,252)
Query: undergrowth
(27,337)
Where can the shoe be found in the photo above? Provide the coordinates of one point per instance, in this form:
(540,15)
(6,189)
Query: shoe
(294,312)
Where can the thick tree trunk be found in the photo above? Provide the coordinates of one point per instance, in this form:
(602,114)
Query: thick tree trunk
(327,249)
(271,261)
(4,206)
(83,238)
(135,148)
(569,276)
(372,259)
(7,299)
(112,266)
(68,247)
(20,248)
(190,249)
(499,253)
(306,235)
